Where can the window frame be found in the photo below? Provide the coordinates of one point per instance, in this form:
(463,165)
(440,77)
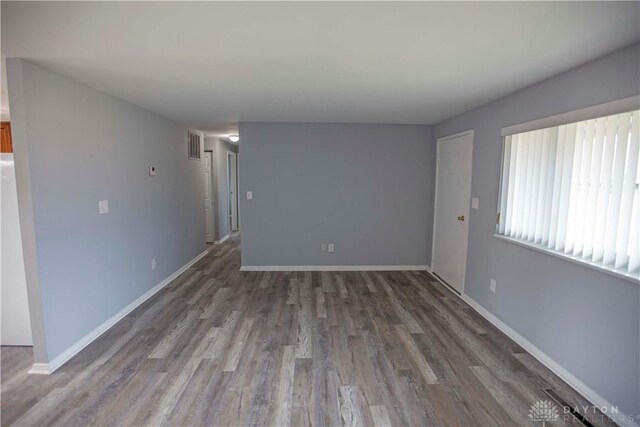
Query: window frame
(588,113)
(575,260)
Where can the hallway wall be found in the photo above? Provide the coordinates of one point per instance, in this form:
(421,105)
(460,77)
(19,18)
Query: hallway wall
(75,146)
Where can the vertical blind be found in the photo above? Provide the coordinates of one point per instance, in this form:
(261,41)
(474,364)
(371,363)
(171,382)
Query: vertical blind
(573,189)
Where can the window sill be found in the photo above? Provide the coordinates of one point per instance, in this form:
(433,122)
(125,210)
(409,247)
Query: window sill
(631,277)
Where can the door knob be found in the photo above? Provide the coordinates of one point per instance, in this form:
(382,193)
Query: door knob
(461,218)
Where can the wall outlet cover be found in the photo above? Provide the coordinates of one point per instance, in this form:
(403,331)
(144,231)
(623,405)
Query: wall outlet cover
(492,285)
(330,246)
(475,202)
(103,207)
(153,263)
(249,195)
(323,247)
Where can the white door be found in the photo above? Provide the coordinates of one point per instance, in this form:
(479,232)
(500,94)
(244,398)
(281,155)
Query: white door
(208,198)
(233,186)
(451,219)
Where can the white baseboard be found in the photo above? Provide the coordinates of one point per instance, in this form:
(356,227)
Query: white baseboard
(333,267)
(39,369)
(61,359)
(224,239)
(583,389)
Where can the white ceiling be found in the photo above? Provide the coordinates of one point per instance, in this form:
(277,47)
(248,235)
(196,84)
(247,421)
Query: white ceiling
(211,65)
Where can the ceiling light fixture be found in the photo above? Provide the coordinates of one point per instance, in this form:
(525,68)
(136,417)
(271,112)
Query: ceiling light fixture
(234,138)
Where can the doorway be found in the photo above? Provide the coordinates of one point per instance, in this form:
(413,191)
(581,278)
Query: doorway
(232,182)
(451,212)
(208,196)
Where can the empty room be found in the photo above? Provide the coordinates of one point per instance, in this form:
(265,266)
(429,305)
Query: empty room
(320,213)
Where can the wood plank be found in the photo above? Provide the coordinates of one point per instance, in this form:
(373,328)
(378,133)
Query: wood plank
(321,306)
(380,416)
(303,408)
(238,346)
(342,289)
(284,397)
(304,338)
(351,413)
(294,291)
(416,355)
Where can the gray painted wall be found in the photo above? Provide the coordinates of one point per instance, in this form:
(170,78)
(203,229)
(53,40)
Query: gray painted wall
(75,146)
(587,321)
(219,148)
(366,188)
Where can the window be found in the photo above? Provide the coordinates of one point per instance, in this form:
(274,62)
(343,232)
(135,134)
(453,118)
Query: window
(573,189)
(194,145)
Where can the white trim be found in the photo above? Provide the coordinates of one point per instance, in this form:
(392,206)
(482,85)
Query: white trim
(333,268)
(588,113)
(230,216)
(456,135)
(576,260)
(443,283)
(224,239)
(208,158)
(435,205)
(587,392)
(61,359)
(39,369)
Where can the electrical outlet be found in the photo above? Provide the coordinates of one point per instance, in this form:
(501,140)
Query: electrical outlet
(323,247)
(153,263)
(475,203)
(492,286)
(330,247)
(249,195)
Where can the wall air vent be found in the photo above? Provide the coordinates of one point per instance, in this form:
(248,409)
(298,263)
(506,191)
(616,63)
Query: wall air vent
(194,145)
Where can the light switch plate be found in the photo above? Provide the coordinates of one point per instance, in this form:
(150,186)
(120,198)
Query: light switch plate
(103,207)
(492,285)
(153,263)
(475,202)
(249,195)
(330,247)
(152,170)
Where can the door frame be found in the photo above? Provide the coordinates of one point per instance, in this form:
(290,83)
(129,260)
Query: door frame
(435,209)
(214,202)
(230,216)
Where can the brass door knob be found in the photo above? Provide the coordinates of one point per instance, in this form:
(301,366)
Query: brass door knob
(461,218)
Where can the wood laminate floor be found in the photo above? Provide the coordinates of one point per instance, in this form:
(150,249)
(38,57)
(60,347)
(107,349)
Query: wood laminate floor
(222,347)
